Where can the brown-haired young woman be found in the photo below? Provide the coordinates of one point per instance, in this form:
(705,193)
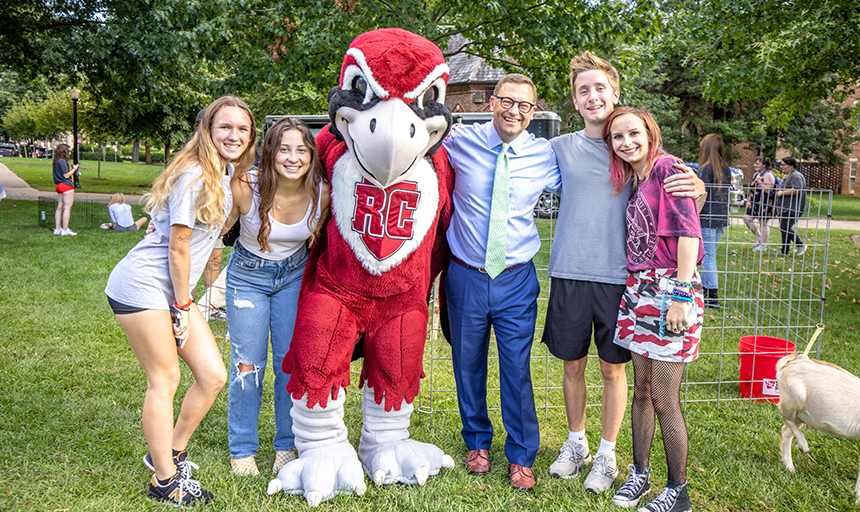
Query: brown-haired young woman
(65,189)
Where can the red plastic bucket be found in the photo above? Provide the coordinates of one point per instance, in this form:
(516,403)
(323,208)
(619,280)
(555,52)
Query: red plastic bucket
(759,355)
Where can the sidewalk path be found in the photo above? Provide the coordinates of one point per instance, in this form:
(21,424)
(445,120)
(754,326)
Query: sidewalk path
(18,189)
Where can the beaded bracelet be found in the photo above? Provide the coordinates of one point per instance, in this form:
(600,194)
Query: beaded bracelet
(682,293)
(683,284)
(190,302)
(679,298)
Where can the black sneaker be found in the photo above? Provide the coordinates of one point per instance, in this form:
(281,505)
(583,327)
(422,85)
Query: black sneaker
(637,484)
(674,498)
(179,492)
(183,466)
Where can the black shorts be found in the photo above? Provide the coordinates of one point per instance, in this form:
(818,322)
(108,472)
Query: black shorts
(117,227)
(574,307)
(121,309)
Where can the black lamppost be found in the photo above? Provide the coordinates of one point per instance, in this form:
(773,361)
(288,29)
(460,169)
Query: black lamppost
(75,94)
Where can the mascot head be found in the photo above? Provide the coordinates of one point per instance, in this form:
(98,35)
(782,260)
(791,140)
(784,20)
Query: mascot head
(390,106)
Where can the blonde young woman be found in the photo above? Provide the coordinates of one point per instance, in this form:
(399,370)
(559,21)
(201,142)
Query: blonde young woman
(189,204)
(121,218)
(65,189)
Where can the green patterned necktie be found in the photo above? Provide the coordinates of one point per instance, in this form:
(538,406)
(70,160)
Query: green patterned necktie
(497,236)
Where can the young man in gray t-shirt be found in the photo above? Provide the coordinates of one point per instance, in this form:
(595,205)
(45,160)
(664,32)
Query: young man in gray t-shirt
(588,269)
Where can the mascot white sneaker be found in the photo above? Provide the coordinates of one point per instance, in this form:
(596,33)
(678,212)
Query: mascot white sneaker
(369,273)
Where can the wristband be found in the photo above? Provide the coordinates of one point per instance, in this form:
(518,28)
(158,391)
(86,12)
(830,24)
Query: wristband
(681,293)
(185,307)
(676,298)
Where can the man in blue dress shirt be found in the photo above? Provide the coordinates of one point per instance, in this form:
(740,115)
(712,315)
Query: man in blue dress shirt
(504,295)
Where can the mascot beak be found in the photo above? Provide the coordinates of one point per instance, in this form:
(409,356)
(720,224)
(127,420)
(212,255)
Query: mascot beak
(388,139)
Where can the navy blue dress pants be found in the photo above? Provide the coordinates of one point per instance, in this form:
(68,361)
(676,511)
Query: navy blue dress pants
(508,303)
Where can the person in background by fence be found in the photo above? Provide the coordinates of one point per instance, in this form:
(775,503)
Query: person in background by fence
(714,217)
(760,202)
(150,292)
(65,188)
(120,215)
(791,200)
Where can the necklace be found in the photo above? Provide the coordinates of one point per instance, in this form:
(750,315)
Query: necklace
(290,202)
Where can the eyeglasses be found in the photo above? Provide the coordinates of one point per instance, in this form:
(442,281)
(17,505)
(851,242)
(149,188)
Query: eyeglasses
(523,106)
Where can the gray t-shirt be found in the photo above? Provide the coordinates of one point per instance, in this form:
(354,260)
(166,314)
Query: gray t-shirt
(793,204)
(142,278)
(591,230)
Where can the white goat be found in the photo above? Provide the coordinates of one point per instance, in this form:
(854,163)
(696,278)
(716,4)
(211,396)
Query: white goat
(820,394)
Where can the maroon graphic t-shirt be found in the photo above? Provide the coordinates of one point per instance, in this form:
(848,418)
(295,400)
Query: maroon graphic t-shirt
(656,219)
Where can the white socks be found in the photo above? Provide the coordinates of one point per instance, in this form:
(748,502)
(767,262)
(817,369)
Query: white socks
(606,447)
(579,441)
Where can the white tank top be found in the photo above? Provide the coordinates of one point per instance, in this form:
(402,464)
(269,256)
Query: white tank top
(284,239)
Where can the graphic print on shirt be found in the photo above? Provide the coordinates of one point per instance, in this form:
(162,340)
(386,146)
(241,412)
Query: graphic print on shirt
(383,226)
(641,230)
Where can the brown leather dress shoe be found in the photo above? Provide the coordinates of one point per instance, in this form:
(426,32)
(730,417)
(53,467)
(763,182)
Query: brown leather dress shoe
(522,478)
(478,462)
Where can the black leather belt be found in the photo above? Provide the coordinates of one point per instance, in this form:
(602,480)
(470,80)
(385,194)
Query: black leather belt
(470,267)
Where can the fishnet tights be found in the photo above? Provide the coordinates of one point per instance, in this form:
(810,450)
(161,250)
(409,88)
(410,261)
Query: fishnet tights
(657,392)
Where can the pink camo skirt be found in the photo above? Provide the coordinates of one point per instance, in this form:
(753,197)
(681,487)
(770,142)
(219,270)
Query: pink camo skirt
(639,319)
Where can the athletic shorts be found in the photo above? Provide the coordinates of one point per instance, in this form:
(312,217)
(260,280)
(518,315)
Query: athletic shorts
(117,227)
(121,309)
(62,188)
(576,310)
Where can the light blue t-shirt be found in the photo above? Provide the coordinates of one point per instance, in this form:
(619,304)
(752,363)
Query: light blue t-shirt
(472,151)
(120,214)
(142,278)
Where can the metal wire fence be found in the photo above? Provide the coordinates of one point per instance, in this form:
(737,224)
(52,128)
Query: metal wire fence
(762,293)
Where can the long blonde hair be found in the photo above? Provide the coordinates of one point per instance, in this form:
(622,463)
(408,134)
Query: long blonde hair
(117,198)
(200,151)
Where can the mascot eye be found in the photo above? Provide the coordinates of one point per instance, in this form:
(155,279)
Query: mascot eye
(430,95)
(360,84)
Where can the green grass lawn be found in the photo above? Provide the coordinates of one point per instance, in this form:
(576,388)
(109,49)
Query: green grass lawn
(122,177)
(845,208)
(71,436)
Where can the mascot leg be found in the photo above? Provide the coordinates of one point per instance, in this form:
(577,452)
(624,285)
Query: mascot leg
(327,463)
(387,453)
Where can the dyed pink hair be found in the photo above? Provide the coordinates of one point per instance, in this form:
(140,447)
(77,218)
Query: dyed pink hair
(621,171)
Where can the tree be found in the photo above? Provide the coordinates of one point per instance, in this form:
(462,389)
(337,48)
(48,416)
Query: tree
(788,54)
(291,43)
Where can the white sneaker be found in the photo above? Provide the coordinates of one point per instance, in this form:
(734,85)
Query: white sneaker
(568,462)
(106,225)
(603,473)
(759,248)
(67,232)
(58,231)
(801,250)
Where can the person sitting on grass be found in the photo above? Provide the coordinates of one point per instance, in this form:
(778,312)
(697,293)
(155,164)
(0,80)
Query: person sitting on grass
(120,215)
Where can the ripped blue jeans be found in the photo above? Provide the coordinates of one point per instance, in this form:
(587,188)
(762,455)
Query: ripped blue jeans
(262,296)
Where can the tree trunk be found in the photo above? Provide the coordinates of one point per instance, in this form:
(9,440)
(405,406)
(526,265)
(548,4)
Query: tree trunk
(101,157)
(148,146)
(166,153)
(135,152)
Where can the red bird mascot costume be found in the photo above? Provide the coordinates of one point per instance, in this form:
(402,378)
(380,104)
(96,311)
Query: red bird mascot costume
(370,273)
